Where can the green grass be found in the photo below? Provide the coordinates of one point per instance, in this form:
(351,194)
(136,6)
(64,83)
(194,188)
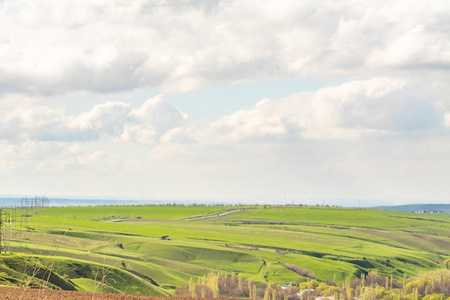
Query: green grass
(102,213)
(346,217)
(330,242)
(63,273)
(90,285)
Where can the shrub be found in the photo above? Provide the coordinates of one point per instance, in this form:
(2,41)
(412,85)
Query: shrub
(434,297)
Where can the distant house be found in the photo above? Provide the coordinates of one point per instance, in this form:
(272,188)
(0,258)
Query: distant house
(305,291)
(165,237)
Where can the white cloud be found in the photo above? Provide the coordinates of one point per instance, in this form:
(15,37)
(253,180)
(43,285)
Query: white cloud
(108,46)
(160,114)
(447,119)
(32,123)
(98,160)
(103,119)
(370,108)
(178,135)
(110,120)
(378,138)
(245,124)
(153,119)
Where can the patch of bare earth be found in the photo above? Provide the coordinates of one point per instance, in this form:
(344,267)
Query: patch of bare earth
(149,220)
(434,240)
(11,293)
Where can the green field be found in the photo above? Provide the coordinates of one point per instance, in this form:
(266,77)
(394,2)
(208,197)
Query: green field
(86,251)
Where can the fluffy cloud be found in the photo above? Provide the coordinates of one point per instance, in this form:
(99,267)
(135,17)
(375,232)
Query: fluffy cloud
(447,119)
(378,138)
(103,119)
(370,108)
(152,120)
(107,46)
(113,120)
(356,109)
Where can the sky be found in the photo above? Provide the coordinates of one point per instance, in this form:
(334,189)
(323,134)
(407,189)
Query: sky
(337,102)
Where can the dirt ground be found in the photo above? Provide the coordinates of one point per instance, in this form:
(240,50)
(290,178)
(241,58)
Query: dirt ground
(12,293)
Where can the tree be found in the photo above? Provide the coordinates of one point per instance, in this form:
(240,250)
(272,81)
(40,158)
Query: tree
(447,263)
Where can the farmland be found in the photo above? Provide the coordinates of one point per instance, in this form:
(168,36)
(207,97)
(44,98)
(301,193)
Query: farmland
(103,248)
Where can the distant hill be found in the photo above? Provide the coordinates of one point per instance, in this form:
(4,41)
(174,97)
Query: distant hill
(418,207)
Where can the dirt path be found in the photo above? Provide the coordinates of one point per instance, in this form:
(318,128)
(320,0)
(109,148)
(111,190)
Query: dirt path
(116,220)
(214,216)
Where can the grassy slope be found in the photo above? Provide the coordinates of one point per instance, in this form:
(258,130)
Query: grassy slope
(64,273)
(116,212)
(330,242)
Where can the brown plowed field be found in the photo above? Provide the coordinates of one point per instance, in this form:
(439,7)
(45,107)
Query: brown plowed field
(35,294)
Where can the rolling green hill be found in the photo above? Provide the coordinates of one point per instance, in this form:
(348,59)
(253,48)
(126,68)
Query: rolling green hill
(270,244)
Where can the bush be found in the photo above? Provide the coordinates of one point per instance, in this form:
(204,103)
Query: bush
(434,297)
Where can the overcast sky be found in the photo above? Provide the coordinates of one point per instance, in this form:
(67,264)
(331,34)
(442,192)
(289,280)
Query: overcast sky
(260,101)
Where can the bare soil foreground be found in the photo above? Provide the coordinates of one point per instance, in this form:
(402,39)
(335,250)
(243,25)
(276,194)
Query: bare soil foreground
(35,294)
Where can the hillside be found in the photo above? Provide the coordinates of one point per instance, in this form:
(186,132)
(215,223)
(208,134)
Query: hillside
(119,249)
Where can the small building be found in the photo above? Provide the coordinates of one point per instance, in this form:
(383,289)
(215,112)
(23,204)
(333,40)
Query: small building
(305,291)
(165,237)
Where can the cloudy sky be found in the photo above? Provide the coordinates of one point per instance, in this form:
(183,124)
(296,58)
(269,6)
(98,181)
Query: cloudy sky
(261,101)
